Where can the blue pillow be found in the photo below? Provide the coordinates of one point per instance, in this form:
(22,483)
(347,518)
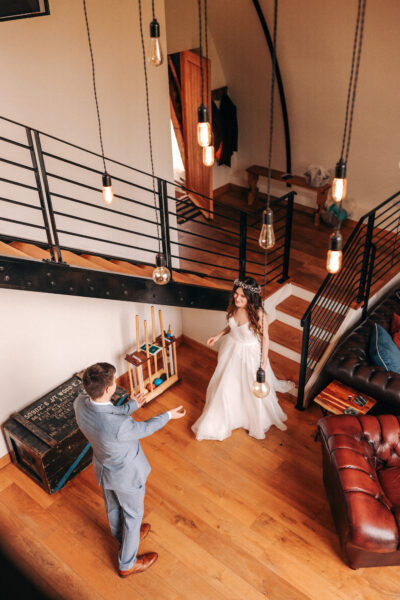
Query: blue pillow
(383,351)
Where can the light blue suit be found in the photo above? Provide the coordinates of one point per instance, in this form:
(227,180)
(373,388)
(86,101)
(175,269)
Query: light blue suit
(120,465)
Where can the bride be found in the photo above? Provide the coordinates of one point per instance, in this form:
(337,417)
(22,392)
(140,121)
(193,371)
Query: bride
(230,402)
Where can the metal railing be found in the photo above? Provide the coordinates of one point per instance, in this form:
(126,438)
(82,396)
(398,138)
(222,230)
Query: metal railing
(60,181)
(372,250)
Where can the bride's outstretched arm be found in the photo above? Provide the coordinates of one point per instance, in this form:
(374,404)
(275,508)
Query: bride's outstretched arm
(212,340)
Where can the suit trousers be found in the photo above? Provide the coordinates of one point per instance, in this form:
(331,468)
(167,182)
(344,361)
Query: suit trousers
(125,513)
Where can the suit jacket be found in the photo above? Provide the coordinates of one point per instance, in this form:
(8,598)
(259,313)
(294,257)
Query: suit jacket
(118,459)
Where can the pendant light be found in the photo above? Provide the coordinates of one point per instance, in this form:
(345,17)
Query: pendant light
(260,387)
(208,156)
(334,258)
(155,55)
(108,193)
(339,184)
(161,273)
(203,117)
(208,151)
(266,238)
(267,235)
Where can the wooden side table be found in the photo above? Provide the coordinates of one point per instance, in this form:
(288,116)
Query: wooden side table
(339,399)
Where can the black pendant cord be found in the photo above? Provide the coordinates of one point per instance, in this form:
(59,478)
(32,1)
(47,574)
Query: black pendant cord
(206,43)
(149,124)
(271,112)
(360,31)
(352,89)
(201,52)
(94,85)
(271,131)
(351,92)
(153,11)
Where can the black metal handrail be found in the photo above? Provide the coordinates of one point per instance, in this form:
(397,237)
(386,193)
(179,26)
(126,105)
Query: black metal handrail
(69,204)
(365,258)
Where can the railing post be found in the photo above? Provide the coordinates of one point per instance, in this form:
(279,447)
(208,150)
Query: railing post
(369,280)
(48,196)
(367,249)
(242,244)
(40,192)
(288,238)
(164,220)
(303,361)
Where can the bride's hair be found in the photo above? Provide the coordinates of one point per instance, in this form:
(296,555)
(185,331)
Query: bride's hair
(254,303)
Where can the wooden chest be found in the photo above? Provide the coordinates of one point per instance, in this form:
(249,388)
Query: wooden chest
(44,440)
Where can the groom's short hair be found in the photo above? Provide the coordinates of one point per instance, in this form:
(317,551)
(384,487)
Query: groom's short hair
(97,378)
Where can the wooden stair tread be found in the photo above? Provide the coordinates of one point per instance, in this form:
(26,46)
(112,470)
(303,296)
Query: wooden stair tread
(296,307)
(31,250)
(283,367)
(293,306)
(138,270)
(77,261)
(11,251)
(285,335)
(108,265)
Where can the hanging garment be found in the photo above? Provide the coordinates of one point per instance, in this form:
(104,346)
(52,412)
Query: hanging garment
(225,129)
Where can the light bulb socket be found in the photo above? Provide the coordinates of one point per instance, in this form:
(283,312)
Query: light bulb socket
(336,241)
(268,217)
(154,29)
(340,169)
(106,180)
(160,260)
(260,376)
(202,114)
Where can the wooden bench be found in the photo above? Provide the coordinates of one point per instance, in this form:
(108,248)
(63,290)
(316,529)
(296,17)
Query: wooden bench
(255,171)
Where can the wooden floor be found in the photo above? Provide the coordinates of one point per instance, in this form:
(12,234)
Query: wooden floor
(242,519)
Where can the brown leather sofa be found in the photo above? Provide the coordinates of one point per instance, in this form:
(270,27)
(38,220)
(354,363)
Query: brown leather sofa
(361,470)
(350,362)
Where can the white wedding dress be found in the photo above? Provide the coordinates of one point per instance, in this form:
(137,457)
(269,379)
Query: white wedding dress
(230,402)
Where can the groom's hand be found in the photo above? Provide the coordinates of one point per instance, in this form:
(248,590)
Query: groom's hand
(140,399)
(178,412)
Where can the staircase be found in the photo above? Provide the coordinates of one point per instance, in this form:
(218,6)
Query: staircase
(370,260)
(53,215)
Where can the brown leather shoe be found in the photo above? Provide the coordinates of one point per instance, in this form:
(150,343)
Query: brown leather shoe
(144,530)
(143,562)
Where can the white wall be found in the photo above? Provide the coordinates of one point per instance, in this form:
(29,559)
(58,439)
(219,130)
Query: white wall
(46,338)
(314,51)
(47,84)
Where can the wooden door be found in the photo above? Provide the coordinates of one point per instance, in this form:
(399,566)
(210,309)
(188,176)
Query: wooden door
(198,177)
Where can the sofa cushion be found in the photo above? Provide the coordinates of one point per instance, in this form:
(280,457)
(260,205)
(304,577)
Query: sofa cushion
(395,329)
(382,349)
(390,482)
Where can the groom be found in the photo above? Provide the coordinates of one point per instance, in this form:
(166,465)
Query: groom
(120,465)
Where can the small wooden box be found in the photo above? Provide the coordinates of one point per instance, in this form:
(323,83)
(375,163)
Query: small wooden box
(44,439)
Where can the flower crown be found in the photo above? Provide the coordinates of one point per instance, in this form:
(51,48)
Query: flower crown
(246,286)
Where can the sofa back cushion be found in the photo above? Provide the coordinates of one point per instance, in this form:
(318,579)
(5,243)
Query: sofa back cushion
(395,329)
(383,351)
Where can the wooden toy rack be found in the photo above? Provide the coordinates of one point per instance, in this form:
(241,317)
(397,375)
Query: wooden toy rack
(152,361)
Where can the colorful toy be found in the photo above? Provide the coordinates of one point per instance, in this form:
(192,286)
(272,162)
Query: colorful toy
(155,365)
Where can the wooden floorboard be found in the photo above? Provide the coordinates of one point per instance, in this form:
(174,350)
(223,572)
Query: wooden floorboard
(233,520)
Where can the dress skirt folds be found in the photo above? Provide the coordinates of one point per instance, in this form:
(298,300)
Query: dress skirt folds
(230,403)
